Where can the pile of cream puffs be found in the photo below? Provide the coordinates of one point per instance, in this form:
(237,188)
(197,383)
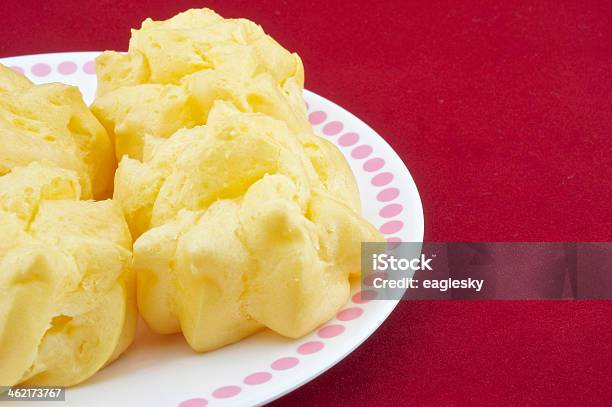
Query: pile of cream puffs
(193,191)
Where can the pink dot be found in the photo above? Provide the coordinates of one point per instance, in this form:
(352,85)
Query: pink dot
(310,347)
(388,194)
(361,151)
(41,69)
(257,378)
(349,314)
(393,243)
(391,210)
(317,117)
(369,279)
(226,392)
(330,331)
(374,164)
(284,363)
(89,67)
(382,179)
(18,69)
(391,227)
(348,139)
(364,296)
(332,128)
(67,68)
(194,403)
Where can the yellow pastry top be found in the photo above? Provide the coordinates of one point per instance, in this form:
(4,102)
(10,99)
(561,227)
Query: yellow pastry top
(195,167)
(67,306)
(176,69)
(50,123)
(243,217)
(243,226)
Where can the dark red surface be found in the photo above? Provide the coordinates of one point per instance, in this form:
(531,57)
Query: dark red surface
(502,111)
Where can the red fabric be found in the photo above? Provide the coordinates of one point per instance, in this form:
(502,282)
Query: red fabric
(502,110)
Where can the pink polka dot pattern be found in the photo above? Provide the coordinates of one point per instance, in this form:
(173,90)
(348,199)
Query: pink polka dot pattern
(67,68)
(348,139)
(284,363)
(332,128)
(364,296)
(329,331)
(388,194)
(373,164)
(382,179)
(391,210)
(391,227)
(317,117)
(89,68)
(311,347)
(18,69)
(194,403)
(41,69)
(226,392)
(257,378)
(393,242)
(360,152)
(349,314)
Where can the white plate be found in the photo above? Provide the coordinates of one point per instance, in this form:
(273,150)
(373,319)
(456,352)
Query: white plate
(163,371)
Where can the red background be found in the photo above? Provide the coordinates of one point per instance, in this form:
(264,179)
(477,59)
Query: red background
(502,111)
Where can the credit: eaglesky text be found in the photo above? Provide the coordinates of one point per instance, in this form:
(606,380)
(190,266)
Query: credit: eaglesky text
(390,263)
(442,285)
